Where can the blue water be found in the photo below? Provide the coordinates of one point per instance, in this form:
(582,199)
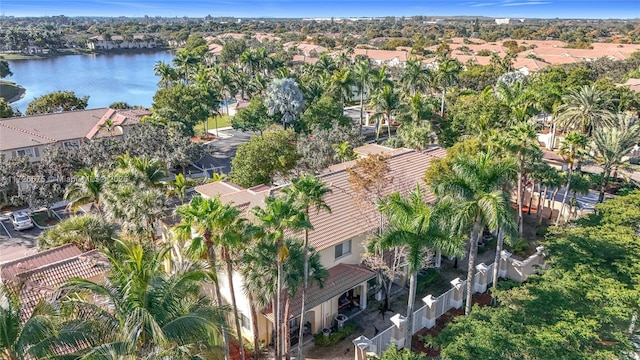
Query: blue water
(105,78)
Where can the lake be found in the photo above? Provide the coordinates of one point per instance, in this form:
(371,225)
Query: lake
(105,78)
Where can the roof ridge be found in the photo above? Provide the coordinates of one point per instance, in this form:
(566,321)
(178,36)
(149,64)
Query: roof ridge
(56,264)
(38,254)
(14,128)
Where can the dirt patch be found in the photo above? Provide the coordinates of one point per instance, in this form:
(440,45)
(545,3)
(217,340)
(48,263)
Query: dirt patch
(419,346)
(203,138)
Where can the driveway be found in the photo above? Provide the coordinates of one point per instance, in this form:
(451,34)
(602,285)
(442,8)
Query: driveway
(224,149)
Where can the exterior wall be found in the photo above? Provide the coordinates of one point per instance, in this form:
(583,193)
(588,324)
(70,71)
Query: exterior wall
(38,152)
(241,301)
(327,256)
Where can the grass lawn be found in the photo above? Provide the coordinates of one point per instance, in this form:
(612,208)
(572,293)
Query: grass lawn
(9,90)
(224,121)
(20,56)
(42,219)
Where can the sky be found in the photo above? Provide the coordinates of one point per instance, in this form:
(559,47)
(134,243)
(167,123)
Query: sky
(594,9)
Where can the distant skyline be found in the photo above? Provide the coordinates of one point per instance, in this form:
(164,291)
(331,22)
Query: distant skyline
(593,9)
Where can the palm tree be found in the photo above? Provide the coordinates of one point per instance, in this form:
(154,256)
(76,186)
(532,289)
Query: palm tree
(362,77)
(612,143)
(340,85)
(583,109)
(307,191)
(38,336)
(261,276)
(142,310)
(475,187)
(178,187)
(284,97)
(325,65)
(87,232)
(344,151)
(418,226)
(548,178)
(152,170)
(414,78)
(447,75)
(418,108)
(386,103)
(523,143)
(571,150)
(223,81)
(249,60)
(184,62)
(167,74)
(217,225)
(280,214)
(87,188)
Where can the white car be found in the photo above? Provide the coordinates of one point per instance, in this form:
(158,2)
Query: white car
(21,221)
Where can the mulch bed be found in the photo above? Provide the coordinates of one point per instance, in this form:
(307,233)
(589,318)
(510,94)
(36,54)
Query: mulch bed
(204,138)
(418,346)
(234,350)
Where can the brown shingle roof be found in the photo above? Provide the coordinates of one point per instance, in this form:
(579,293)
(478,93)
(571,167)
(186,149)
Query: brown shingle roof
(342,278)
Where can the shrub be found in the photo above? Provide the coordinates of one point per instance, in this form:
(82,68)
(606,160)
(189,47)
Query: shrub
(429,278)
(324,341)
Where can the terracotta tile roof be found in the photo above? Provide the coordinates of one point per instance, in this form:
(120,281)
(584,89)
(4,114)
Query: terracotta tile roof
(378,149)
(383,55)
(342,278)
(119,118)
(40,275)
(633,84)
(304,59)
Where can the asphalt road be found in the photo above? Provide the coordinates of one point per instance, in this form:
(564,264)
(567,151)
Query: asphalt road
(15,244)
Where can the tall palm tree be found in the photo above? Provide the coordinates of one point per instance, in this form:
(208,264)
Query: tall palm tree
(386,103)
(572,151)
(218,227)
(142,310)
(415,79)
(547,178)
(152,170)
(521,141)
(475,187)
(447,75)
(261,279)
(418,226)
(325,65)
(167,74)
(362,74)
(249,61)
(87,188)
(224,83)
(185,61)
(340,85)
(280,214)
(418,108)
(612,143)
(308,191)
(583,109)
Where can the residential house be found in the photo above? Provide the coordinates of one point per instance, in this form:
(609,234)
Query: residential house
(337,237)
(29,135)
(37,277)
(384,57)
(632,84)
(310,50)
(135,41)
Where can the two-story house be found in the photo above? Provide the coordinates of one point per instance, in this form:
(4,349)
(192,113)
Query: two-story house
(29,135)
(338,237)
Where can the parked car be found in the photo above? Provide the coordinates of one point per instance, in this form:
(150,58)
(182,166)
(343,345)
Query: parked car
(21,221)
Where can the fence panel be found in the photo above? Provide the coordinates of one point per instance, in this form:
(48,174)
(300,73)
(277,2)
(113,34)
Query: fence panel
(417,320)
(490,273)
(382,341)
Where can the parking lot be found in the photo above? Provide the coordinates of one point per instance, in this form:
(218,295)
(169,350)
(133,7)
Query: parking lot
(15,244)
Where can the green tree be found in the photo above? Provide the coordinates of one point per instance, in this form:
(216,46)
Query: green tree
(324,113)
(4,69)
(186,105)
(280,215)
(263,158)
(392,353)
(308,192)
(612,144)
(145,310)
(420,228)
(87,188)
(414,78)
(168,75)
(254,118)
(447,75)
(386,103)
(6,111)
(363,76)
(572,150)
(476,188)
(584,109)
(284,97)
(56,102)
(87,232)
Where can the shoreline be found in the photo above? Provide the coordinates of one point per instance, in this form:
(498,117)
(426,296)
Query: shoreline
(66,52)
(21,94)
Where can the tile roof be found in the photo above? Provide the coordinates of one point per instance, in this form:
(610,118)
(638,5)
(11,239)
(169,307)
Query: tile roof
(349,217)
(28,131)
(633,84)
(40,275)
(304,59)
(342,278)
(383,55)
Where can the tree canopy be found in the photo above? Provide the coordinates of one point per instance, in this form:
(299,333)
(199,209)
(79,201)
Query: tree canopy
(56,102)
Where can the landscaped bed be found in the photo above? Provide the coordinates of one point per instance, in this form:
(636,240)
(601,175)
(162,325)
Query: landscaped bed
(43,220)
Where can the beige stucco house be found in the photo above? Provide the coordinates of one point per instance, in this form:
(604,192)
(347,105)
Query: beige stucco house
(30,135)
(338,238)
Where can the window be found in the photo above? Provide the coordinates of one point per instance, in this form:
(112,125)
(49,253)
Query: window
(343,249)
(71,144)
(26,152)
(246,323)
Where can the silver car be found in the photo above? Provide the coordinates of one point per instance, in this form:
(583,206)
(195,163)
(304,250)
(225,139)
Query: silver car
(21,221)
